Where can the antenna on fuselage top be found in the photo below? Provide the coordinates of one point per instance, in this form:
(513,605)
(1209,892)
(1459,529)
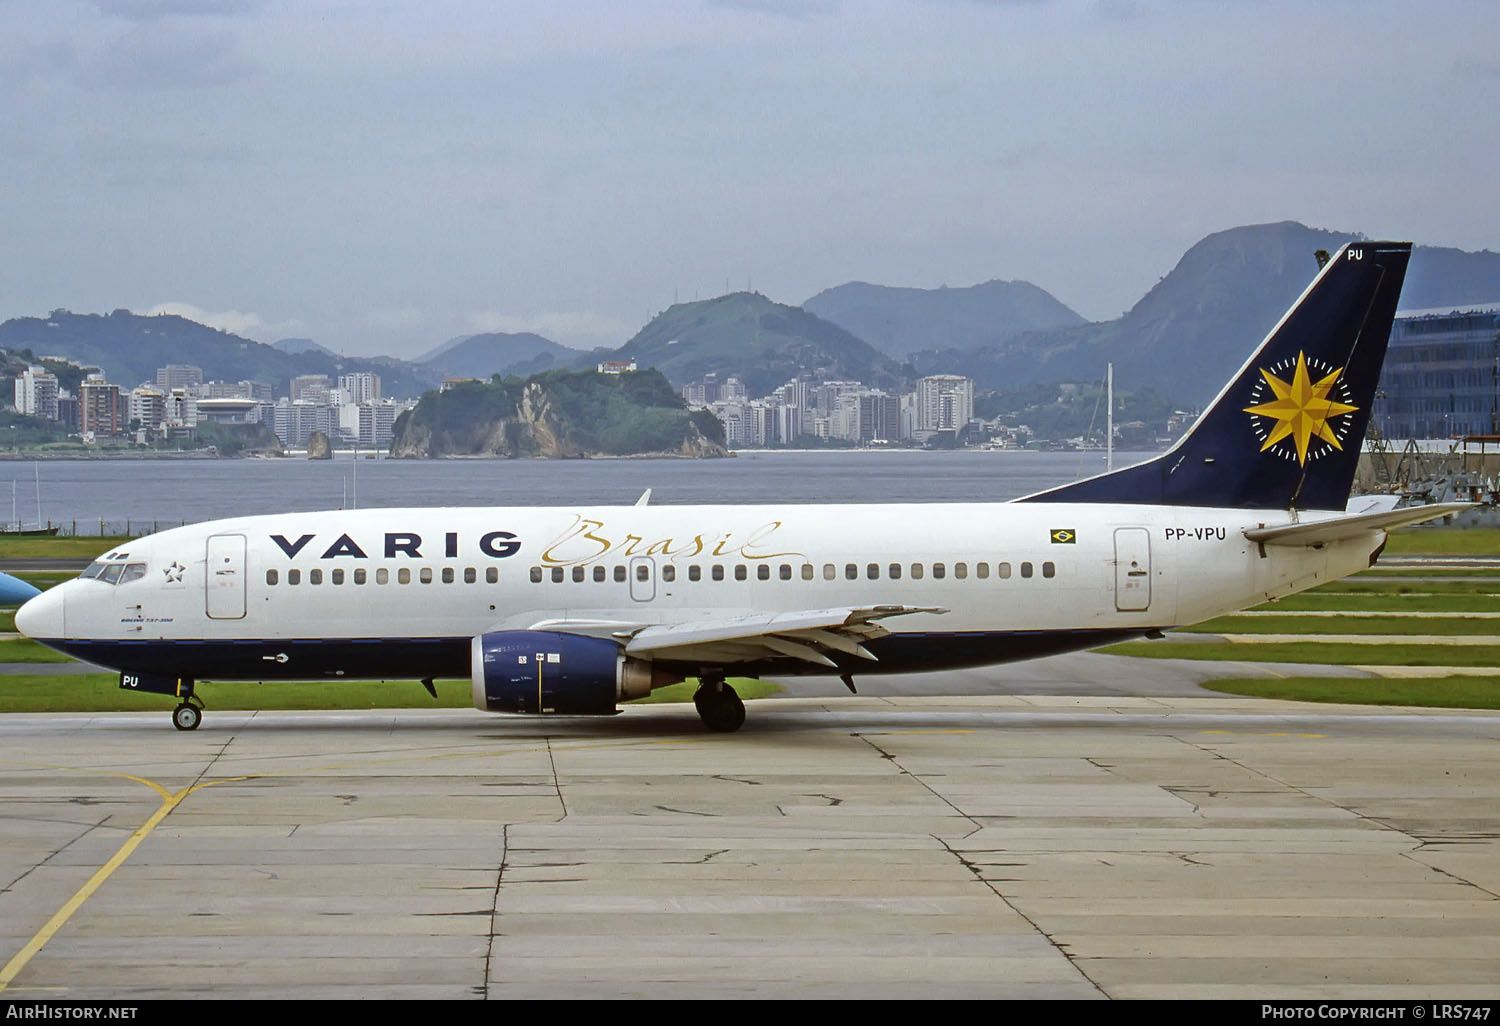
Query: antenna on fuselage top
(645,498)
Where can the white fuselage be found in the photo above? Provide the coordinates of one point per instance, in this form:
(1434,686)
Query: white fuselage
(400,578)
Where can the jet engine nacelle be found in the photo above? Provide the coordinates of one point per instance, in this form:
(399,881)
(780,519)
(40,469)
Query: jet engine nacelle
(552,672)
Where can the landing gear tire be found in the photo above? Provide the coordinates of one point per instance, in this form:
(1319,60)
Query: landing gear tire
(187,716)
(719,707)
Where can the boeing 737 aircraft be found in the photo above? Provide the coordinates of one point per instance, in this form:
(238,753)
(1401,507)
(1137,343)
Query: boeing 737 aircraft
(573,610)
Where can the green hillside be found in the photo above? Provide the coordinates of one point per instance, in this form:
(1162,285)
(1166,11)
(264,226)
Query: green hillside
(764,344)
(558,414)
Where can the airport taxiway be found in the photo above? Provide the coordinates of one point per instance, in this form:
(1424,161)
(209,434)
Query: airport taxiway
(873,847)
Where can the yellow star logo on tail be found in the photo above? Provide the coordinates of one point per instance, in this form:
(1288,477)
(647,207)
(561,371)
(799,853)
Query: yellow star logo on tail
(1301,409)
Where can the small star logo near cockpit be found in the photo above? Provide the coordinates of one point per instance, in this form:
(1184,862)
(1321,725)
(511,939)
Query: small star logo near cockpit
(174,572)
(1298,416)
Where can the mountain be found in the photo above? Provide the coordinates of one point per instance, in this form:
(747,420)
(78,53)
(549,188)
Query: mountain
(902,321)
(303,345)
(1198,324)
(129,348)
(763,343)
(480,356)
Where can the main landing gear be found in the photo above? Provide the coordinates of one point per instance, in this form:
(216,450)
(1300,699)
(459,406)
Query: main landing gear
(719,706)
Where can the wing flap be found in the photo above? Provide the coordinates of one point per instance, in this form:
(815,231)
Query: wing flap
(810,635)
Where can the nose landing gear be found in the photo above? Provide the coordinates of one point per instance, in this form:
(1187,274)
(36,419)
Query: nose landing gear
(188,715)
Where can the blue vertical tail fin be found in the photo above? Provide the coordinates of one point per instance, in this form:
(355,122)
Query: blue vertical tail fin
(1286,432)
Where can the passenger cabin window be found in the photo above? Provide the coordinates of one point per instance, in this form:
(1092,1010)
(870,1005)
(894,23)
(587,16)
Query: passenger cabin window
(600,574)
(695,572)
(270,576)
(1003,571)
(828,572)
(620,574)
(294,577)
(894,571)
(471,576)
(336,576)
(360,575)
(851,572)
(1025,569)
(536,575)
(403,576)
(577,575)
(808,573)
(382,576)
(916,571)
(872,571)
(740,573)
(557,575)
(939,571)
(1049,569)
(315,577)
(718,572)
(447,575)
(786,571)
(763,573)
(492,575)
(982,570)
(669,573)
(961,570)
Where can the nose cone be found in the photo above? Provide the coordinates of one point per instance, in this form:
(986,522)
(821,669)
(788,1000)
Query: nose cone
(14,591)
(42,617)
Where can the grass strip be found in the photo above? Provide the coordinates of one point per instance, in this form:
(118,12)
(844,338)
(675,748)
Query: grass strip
(1331,653)
(1313,623)
(1427,586)
(100,692)
(1312,602)
(59,547)
(24,650)
(1462,541)
(1458,692)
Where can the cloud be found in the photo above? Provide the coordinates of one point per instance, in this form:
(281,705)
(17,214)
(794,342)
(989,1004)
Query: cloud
(155,10)
(236,322)
(799,10)
(169,57)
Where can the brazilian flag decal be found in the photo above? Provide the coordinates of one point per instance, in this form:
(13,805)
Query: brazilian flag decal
(1064,536)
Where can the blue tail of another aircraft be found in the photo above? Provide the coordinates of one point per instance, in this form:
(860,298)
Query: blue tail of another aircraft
(1287,431)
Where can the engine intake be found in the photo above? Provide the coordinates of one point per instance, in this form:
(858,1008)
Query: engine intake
(553,672)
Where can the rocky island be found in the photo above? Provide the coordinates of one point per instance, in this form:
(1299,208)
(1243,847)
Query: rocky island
(558,415)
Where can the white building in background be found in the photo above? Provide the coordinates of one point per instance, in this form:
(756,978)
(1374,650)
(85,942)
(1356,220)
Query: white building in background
(36,393)
(178,375)
(148,408)
(945,402)
(360,387)
(377,422)
(313,388)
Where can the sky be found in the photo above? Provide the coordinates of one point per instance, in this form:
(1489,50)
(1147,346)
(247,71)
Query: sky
(381,177)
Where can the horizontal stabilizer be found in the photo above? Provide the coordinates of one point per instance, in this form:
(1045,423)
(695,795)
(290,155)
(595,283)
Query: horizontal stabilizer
(1321,532)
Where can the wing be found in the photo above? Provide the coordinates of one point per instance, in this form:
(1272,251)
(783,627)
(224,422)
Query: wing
(811,635)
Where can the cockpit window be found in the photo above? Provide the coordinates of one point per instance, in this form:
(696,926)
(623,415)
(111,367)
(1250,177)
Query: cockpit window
(110,571)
